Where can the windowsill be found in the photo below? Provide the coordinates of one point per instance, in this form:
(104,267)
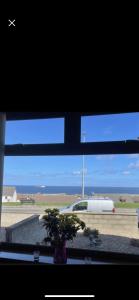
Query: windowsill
(73,253)
(29,258)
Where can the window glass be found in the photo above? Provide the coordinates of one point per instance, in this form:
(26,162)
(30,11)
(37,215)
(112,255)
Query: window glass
(80,206)
(56,182)
(35,131)
(114,127)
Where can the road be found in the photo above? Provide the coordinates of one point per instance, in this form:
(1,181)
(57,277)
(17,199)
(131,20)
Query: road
(23,210)
(41,210)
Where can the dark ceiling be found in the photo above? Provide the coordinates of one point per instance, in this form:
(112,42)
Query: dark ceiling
(11,116)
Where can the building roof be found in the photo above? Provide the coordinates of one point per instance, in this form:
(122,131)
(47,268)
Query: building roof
(8,190)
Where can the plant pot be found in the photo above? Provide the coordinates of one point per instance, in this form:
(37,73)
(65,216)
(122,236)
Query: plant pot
(60,254)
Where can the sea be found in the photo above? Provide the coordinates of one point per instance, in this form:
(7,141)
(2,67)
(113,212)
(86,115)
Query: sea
(74,190)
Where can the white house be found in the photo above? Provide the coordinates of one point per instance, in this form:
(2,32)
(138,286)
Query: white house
(9,194)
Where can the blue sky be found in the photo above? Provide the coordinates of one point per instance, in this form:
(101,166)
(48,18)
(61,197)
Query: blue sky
(101,170)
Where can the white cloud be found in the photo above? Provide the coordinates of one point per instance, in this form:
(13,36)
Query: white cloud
(76,172)
(109,156)
(126,172)
(107,131)
(133,155)
(79,172)
(134,165)
(109,171)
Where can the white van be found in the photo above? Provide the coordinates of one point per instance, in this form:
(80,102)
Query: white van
(90,205)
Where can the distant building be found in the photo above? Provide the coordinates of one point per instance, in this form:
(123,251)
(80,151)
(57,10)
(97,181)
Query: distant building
(9,194)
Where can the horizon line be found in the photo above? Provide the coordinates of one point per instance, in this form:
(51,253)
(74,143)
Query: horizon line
(39,185)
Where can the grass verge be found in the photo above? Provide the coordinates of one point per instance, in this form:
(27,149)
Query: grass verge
(126,205)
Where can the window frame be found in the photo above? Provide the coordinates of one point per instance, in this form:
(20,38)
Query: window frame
(72,146)
(72,139)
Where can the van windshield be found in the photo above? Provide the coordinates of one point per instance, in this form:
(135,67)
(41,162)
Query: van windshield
(70,205)
(80,206)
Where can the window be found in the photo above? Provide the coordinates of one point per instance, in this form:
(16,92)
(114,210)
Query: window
(114,127)
(57,181)
(80,206)
(35,131)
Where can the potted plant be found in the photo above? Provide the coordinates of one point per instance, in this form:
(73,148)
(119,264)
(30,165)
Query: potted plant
(60,228)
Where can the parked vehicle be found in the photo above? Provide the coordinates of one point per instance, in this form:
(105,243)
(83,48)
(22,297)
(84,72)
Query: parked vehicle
(137,211)
(27,200)
(90,205)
